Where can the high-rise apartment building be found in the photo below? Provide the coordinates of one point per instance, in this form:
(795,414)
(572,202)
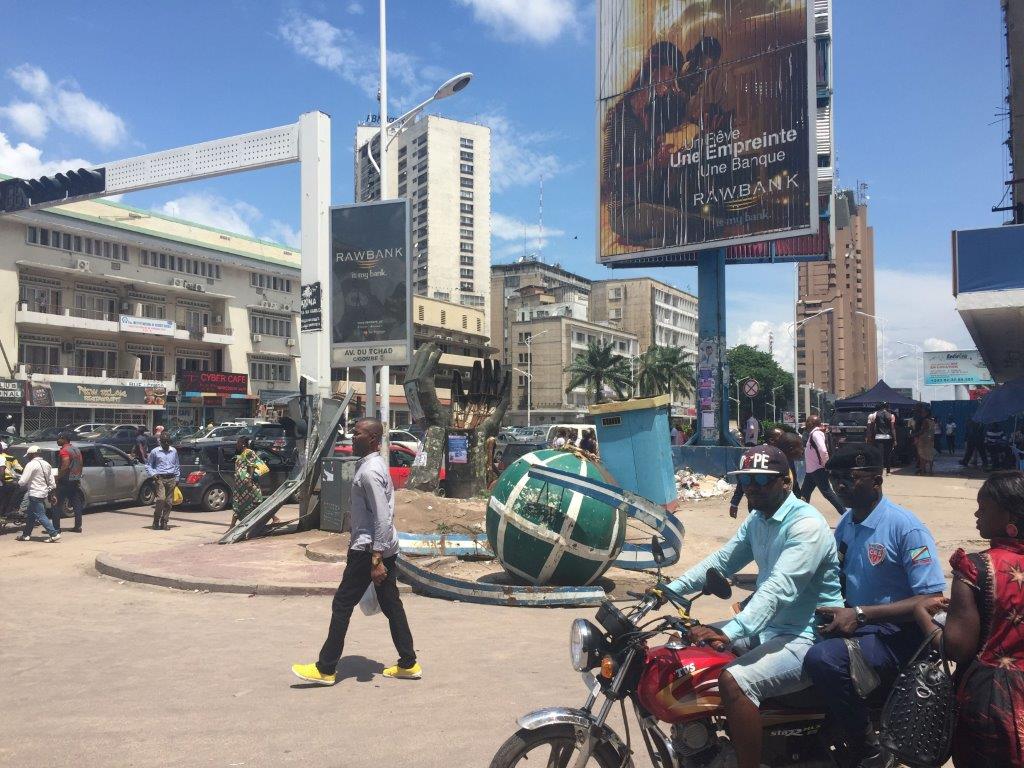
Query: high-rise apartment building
(837,351)
(443,167)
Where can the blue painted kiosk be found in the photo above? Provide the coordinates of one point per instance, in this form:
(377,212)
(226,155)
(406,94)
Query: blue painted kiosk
(636,446)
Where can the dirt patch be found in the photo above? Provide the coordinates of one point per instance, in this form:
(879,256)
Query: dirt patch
(419,512)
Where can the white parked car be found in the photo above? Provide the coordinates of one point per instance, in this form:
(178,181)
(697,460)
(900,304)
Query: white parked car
(406,439)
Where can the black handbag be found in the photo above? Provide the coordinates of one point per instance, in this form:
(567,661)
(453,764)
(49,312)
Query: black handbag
(918,718)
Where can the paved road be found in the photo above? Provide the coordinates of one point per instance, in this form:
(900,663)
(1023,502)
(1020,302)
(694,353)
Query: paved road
(101,673)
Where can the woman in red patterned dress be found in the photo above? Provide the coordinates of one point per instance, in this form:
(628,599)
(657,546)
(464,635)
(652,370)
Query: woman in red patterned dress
(984,632)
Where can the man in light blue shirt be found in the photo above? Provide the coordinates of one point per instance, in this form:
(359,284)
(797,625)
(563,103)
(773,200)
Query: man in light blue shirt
(889,564)
(163,466)
(798,570)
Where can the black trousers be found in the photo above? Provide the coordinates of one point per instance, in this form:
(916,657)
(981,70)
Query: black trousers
(886,446)
(354,582)
(819,479)
(975,446)
(68,491)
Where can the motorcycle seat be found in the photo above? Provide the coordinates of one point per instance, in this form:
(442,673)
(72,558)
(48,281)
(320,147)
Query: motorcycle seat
(807,699)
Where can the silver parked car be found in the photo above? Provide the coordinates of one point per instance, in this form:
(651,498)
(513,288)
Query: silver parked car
(108,475)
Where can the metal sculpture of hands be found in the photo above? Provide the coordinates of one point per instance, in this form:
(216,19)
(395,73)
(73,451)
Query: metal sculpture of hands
(477,404)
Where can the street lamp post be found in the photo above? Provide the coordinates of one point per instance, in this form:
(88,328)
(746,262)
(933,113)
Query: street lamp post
(529,384)
(796,368)
(880,322)
(529,375)
(920,367)
(388,133)
(775,415)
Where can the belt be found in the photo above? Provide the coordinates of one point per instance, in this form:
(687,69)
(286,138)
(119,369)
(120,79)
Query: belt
(165,477)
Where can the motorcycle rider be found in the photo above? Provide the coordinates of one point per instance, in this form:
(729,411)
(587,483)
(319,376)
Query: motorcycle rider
(798,570)
(889,564)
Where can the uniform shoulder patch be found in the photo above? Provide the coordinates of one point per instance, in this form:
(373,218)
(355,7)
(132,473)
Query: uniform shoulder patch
(920,556)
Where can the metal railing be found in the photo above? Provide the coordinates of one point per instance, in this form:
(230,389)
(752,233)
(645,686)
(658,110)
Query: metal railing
(89,372)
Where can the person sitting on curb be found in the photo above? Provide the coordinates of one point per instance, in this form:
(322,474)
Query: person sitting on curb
(889,564)
(38,479)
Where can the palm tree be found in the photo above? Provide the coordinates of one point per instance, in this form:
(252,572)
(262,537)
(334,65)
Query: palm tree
(597,367)
(665,370)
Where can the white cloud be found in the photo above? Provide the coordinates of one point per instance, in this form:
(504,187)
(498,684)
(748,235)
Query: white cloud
(539,21)
(344,53)
(63,105)
(510,228)
(939,345)
(354,8)
(518,158)
(213,211)
(280,232)
(27,118)
(766,335)
(26,161)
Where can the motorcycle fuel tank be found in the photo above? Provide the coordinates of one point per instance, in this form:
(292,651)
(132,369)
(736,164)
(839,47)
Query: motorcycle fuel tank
(680,684)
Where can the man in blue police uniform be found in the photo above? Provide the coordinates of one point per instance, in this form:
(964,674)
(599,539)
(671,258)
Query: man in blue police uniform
(889,563)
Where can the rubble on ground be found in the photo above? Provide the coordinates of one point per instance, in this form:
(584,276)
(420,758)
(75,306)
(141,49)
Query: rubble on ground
(693,486)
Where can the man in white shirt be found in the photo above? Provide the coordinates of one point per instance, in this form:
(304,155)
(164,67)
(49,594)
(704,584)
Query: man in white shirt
(38,478)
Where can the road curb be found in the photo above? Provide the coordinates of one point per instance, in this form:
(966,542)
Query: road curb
(108,565)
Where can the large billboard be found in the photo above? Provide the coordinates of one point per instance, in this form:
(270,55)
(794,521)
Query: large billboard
(963,366)
(371,284)
(706,127)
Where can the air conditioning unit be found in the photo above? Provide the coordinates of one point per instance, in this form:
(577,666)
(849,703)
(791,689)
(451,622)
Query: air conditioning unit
(257,338)
(115,265)
(289,342)
(67,347)
(178,282)
(218,319)
(266,304)
(126,307)
(83,265)
(199,287)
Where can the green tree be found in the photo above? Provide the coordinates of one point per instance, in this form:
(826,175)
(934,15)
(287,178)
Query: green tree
(597,367)
(747,362)
(664,370)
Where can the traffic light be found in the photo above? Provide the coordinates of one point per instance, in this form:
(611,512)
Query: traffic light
(19,194)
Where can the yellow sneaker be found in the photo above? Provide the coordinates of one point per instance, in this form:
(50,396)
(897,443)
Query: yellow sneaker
(311,674)
(415,672)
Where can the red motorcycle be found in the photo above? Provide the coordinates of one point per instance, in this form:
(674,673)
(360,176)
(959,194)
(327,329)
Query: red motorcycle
(675,684)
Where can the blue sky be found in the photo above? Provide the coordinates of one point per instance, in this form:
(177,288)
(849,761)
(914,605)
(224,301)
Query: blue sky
(917,97)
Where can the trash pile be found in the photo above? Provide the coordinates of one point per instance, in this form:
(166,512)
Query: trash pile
(693,486)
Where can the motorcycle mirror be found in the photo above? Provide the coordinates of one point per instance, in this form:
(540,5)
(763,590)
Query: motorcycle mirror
(657,551)
(716,584)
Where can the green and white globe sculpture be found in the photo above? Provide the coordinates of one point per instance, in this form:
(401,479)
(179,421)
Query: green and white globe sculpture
(544,534)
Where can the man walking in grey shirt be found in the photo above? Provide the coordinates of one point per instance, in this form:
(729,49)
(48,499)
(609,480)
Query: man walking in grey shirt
(372,557)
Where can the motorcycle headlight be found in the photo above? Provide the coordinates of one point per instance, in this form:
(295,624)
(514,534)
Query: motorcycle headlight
(584,639)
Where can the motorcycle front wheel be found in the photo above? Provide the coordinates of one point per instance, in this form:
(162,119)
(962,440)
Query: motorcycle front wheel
(553,746)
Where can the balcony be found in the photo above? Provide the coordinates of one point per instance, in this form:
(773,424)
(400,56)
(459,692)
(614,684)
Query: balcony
(81,375)
(30,313)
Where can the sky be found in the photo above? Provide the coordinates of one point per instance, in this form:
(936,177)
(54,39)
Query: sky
(919,96)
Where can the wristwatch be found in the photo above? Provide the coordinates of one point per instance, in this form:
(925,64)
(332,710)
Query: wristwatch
(862,618)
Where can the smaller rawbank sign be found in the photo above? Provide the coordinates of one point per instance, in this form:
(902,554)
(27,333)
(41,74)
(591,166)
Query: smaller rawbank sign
(963,366)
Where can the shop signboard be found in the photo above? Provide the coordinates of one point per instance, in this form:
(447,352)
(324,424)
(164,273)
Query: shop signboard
(707,123)
(214,383)
(371,286)
(311,314)
(150,326)
(65,395)
(11,392)
(963,366)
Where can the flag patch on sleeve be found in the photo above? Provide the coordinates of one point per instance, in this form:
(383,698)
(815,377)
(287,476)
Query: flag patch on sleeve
(920,556)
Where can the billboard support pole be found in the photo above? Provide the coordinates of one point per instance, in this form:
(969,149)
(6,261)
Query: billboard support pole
(713,428)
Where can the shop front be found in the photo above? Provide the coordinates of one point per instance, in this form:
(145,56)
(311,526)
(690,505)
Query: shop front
(54,404)
(211,396)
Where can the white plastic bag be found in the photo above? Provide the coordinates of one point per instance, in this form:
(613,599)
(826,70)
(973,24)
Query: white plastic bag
(368,604)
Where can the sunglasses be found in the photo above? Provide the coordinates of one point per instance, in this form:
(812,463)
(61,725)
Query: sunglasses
(761,480)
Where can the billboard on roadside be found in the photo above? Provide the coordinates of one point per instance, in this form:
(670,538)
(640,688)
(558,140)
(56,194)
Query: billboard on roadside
(963,366)
(371,284)
(707,130)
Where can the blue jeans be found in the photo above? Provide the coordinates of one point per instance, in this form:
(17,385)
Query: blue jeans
(37,513)
(885,647)
(772,668)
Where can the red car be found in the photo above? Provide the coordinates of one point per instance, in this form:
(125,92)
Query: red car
(401,462)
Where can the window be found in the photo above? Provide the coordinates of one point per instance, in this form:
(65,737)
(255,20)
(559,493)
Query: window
(465,183)
(442,296)
(463,286)
(614,293)
(420,313)
(465,207)
(32,235)
(465,143)
(39,355)
(466,247)
(65,242)
(261,370)
(466,261)
(403,190)
(150,362)
(421,179)
(40,298)
(270,282)
(615,314)
(112,457)
(467,156)
(192,360)
(269,325)
(465,322)
(479,325)
(96,360)
(466,234)
(466,221)
(466,194)
(512,281)
(444,317)
(465,168)
(95,306)
(77,243)
(466,273)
